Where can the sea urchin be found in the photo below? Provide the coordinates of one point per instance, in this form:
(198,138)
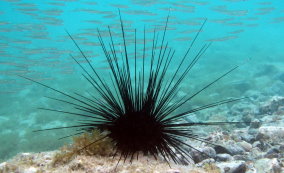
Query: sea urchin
(137,109)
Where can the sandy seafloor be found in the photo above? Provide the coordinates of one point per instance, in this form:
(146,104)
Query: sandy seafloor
(248,33)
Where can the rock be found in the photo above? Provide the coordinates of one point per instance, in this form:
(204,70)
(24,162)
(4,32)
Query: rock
(241,157)
(281,148)
(224,157)
(270,132)
(272,153)
(268,165)
(2,166)
(184,159)
(209,152)
(266,70)
(231,149)
(281,77)
(245,145)
(256,144)
(234,149)
(272,105)
(255,124)
(247,137)
(256,153)
(253,132)
(242,86)
(206,161)
(263,146)
(232,167)
(220,149)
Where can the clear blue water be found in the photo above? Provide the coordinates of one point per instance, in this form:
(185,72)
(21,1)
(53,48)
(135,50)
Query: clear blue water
(33,43)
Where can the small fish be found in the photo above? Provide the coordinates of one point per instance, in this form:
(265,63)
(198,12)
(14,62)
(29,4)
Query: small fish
(56,4)
(10,92)
(12,0)
(140,12)
(5,30)
(43,79)
(235,0)
(94,21)
(221,20)
(25,4)
(234,24)
(198,2)
(264,11)
(22,41)
(53,12)
(265,3)
(104,68)
(14,72)
(252,25)
(89,43)
(90,3)
(183,39)
(28,9)
(110,16)
(223,38)
(4,23)
(182,5)
(189,31)
(191,23)
(119,6)
(251,18)
(148,20)
(236,31)
(278,20)
(237,12)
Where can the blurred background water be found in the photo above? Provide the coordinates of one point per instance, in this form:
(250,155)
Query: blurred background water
(33,43)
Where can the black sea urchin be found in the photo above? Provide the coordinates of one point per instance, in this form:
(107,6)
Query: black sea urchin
(137,109)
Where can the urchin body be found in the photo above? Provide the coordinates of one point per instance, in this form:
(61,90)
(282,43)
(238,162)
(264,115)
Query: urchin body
(137,131)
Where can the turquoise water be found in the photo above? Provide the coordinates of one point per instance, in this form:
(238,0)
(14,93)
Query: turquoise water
(34,44)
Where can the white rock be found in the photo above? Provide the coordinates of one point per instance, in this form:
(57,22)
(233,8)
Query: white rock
(30,170)
(3,165)
(268,165)
(173,171)
(272,132)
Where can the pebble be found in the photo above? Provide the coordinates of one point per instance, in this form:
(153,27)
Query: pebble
(248,137)
(241,157)
(245,145)
(234,149)
(272,153)
(256,153)
(232,167)
(263,146)
(206,161)
(224,157)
